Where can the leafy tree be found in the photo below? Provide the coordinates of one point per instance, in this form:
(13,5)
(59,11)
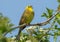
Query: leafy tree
(34,33)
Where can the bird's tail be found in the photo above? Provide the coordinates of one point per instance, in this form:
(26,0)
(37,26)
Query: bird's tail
(20,29)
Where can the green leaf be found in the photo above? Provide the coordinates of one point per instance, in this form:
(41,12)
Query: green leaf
(58,21)
(44,15)
(58,16)
(3,39)
(49,12)
(58,8)
(58,1)
(55,38)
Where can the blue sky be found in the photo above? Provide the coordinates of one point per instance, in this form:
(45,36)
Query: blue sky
(14,9)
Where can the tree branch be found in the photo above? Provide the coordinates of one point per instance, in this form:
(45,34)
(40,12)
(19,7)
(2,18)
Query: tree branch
(39,24)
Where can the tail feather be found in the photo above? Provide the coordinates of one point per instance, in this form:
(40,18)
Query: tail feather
(20,29)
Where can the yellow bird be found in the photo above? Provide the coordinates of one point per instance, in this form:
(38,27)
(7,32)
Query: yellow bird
(26,18)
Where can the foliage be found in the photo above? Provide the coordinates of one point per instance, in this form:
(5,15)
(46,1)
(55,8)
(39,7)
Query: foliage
(58,1)
(33,33)
(38,34)
(5,26)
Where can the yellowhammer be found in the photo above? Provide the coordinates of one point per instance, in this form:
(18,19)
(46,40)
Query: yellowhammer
(26,18)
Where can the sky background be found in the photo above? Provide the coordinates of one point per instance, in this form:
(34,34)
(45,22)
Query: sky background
(14,9)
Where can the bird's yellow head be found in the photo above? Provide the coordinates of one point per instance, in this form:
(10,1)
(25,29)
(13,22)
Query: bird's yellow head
(30,8)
